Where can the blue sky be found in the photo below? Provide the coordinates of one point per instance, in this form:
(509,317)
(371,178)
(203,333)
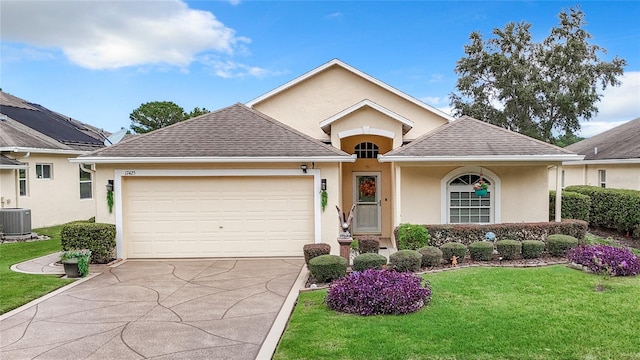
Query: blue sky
(97,61)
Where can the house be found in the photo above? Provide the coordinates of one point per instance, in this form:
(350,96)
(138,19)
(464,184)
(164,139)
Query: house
(611,159)
(248,180)
(35,173)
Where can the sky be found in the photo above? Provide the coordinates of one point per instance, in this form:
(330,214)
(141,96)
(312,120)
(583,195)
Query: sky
(97,61)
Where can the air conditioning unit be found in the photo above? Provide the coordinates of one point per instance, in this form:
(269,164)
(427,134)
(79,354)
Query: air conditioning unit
(15,221)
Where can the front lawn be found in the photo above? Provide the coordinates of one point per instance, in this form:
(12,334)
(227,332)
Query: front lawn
(17,288)
(481,313)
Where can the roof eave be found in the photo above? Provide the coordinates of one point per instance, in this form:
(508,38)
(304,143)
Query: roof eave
(602,162)
(487,158)
(210,159)
(13,167)
(21,149)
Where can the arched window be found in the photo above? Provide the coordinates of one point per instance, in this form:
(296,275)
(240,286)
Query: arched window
(366,150)
(464,206)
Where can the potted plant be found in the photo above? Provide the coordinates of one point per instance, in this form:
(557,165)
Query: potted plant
(480,187)
(76,262)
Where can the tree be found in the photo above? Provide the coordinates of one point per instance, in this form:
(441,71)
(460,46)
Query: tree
(567,139)
(158,114)
(537,89)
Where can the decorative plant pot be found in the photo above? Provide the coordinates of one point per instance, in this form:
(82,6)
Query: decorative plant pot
(481,192)
(71,268)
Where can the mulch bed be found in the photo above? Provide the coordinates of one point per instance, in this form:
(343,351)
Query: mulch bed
(622,239)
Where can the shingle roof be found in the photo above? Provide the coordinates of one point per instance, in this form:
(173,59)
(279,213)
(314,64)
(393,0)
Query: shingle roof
(38,122)
(470,137)
(235,131)
(7,162)
(621,142)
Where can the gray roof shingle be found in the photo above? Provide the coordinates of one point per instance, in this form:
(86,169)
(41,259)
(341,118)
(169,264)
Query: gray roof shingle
(235,131)
(470,137)
(621,142)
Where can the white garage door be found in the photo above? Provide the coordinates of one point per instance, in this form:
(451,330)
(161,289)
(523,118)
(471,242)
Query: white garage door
(167,217)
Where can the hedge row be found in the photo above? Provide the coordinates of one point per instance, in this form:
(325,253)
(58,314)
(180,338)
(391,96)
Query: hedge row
(97,237)
(574,206)
(612,208)
(468,233)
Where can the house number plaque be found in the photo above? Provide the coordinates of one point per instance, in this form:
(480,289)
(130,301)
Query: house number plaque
(129,173)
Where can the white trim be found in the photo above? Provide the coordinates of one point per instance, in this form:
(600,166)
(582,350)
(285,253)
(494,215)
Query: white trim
(366,130)
(603,162)
(357,72)
(484,158)
(370,104)
(13,167)
(45,151)
(496,191)
(120,173)
(210,159)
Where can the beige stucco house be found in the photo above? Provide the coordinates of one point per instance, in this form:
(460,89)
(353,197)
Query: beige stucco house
(611,159)
(247,180)
(35,173)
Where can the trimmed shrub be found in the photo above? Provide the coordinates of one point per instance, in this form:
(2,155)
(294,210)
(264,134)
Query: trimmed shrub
(574,206)
(453,248)
(509,249)
(441,234)
(612,208)
(325,268)
(377,292)
(368,244)
(99,238)
(431,256)
(481,250)
(369,261)
(606,259)
(405,260)
(558,245)
(532,249)
(412,237)
(314,250)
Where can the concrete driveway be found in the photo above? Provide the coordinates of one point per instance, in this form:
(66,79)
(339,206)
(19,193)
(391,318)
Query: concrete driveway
(160,309)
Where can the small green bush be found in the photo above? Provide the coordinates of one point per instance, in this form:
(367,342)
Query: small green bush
(412,237)
(354,245)
(431,256)
(574,206)
(509,249)
(481,250)
(453,248)
(98,237)
(532,249)
(368,244)
(369,261)
(314,250)
(325,268)
(558,245)
(612,208)
(405,260)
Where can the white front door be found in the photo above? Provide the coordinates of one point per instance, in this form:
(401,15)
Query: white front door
(366,196)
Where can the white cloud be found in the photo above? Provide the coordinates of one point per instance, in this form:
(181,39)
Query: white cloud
(115,34)
(230,69)
(617,106)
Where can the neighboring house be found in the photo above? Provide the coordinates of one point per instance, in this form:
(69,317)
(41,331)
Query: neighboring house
(35,173)
(246,180)
(611,159)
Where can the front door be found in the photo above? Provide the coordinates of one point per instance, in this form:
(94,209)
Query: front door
(366,193)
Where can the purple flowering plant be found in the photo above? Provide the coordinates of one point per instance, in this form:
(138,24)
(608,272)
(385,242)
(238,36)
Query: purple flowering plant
(606,259)
(376,292)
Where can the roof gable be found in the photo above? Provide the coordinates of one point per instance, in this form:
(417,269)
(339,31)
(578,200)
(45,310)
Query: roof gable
(233,132)
(337,62)
(468,138)
(326,124)
(621,142)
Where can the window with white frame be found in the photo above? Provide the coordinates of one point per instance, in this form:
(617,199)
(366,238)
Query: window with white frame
(366,150)
(602,178)
(22,181)
(86,184)
(464,206)
(44,171)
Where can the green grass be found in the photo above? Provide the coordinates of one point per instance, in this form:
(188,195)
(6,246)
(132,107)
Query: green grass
(17,288)
(481,313)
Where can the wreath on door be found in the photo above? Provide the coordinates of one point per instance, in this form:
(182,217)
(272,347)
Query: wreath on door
(368,187)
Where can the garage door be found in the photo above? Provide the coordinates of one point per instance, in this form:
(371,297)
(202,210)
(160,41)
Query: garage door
(217,216)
